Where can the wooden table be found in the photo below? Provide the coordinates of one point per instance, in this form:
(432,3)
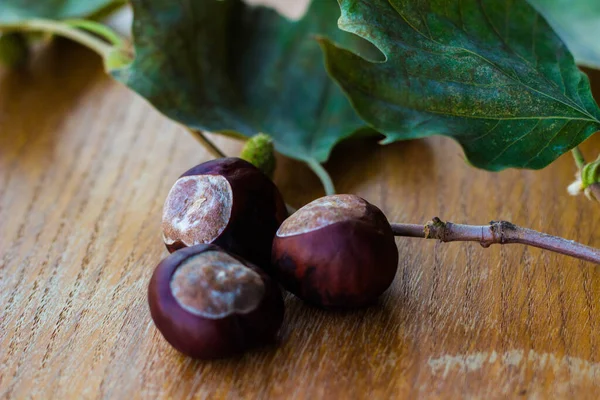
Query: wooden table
(85,165)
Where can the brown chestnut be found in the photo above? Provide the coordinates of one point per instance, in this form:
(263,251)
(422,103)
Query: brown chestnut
(208,303)
(228,202)
(336,252)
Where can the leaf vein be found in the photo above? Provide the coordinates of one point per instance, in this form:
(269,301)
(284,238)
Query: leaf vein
(548,142)
(573,104)
(515,141)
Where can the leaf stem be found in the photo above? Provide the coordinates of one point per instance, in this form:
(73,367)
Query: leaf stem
(64,30)
(212,148)
(98,29)
(578,156)
(497,232)
(323,176)
(594,188)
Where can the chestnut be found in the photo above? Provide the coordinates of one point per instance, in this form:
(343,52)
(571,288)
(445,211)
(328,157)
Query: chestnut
(336,252)
(208,303)
(228,202)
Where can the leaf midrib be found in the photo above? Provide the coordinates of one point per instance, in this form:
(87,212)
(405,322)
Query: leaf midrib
(367,93)
(346,22)
(501,119)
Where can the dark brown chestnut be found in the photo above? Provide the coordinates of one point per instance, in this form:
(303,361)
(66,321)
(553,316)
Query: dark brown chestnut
(228,202)
(208,303)
(336,252)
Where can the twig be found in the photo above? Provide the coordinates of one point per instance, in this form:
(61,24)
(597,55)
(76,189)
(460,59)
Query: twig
(409,230)
(497,232)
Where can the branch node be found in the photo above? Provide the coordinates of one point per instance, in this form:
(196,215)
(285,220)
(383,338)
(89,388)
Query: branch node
(435,229)
(501,231)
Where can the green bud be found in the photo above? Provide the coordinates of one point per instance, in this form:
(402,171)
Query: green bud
(590,173)
(259,151)
(590,179)
(14,50)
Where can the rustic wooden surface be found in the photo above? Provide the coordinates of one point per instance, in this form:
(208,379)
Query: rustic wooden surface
(84,167)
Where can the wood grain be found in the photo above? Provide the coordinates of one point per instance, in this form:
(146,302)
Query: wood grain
(84,168)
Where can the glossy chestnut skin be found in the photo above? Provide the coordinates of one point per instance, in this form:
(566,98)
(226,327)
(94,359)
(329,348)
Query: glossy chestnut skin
(257,210)
(204,337)
(336,252)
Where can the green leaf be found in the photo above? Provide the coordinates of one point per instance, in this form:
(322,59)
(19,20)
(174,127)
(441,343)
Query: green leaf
(577,22)
(225,67)
(13,11)
(491,74)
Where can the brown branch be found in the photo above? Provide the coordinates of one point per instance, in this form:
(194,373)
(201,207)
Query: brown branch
(409,230)
(497,232)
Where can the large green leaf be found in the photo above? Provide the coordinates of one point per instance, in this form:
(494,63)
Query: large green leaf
(577,22)
(12,11)
(224,66)
(489,73)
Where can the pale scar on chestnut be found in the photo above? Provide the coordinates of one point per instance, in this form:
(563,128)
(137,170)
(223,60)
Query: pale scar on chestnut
(214,285)
(323,212)
(197,209)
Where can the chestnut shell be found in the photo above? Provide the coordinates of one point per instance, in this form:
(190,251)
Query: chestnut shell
(206,338)
(342,265)
(257,210)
